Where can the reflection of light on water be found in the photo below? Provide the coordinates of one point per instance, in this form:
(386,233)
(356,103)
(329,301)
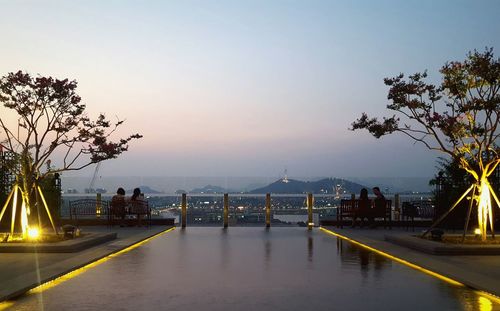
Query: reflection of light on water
(167,214)
(485,299)
(63,278)
(290,218)
(397,259)
(278,266)
(293,219)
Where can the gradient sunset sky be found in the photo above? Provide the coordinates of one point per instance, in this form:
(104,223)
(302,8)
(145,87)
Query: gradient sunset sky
(246,88)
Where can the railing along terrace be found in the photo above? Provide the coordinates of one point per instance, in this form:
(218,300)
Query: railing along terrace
(242,208)
(253,209)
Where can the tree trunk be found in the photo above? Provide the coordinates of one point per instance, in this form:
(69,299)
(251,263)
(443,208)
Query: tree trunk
(27,185)
(484,206)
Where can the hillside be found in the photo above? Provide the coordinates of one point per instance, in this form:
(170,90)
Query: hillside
(209,189)
(326,185)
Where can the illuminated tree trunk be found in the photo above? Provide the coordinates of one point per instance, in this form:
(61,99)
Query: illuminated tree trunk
(482,195)
(27,187)
(485,204)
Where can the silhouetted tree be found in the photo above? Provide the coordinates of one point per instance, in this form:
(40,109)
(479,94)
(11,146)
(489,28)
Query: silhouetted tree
(452,181)
(44,115)
(460,118)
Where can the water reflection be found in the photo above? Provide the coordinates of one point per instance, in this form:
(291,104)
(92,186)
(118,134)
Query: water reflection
(353,256)
(310,249)
(267,252)
(224,248)
(253,269)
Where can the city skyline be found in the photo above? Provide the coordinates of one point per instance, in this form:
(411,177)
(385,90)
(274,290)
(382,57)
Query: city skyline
(246,89)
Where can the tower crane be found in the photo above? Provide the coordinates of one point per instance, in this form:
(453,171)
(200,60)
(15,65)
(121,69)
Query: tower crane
(91,189)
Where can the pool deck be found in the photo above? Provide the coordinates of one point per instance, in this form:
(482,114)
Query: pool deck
(23,271)
(479,272)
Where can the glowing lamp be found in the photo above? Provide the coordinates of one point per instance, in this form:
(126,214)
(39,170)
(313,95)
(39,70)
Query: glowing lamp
(477,232)
(33,233)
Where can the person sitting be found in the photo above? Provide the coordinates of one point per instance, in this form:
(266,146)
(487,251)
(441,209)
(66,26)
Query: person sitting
(138,205)
(379,205)
(118,206)
(363,209)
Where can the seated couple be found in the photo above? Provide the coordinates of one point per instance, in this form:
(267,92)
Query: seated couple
(368,209)
(121,205)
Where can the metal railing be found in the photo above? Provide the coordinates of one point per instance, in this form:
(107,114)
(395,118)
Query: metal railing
(256,209)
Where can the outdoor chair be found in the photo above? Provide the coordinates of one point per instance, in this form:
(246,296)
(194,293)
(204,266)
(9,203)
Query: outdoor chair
(409,212)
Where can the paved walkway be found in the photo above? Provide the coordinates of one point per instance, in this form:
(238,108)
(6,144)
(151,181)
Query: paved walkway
(478,272)
(23,271)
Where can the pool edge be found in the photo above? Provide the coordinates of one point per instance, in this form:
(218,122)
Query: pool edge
(418,267)
(8,300)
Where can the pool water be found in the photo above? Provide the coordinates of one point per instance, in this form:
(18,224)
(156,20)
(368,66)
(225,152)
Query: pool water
(245,268)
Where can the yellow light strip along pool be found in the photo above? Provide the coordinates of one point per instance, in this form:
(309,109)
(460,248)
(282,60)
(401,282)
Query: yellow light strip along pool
(52,283)
(411,265)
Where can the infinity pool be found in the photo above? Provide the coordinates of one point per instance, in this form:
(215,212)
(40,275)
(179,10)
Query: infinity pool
(203,268)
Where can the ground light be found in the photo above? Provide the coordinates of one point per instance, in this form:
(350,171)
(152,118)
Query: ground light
(28,231)
(71,274)
(480,195)
(484,297)
(33,233)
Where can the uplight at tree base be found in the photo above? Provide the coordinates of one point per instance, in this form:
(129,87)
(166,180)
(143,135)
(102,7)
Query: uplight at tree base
(30,227)
(33,234)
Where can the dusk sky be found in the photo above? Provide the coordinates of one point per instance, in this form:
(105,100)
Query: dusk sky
(246,88)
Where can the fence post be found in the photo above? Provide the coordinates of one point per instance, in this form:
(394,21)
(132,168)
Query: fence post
(268,210)
(397,208)
(183,210)
(310,211)
(226,210)
(98,204)
(438,205)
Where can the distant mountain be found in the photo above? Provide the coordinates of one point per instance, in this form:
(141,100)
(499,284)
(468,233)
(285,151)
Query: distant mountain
(209,189)
(326,185)
(396,184)
(146,189)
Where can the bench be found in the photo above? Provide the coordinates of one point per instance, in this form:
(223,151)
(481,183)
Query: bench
(120,209)
(140,209)
(385,214)
(88,207)
(348,208)
(416,209)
